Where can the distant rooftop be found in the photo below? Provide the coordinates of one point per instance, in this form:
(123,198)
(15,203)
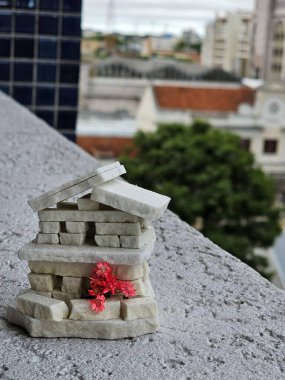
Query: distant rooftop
(222,99)
(158,68)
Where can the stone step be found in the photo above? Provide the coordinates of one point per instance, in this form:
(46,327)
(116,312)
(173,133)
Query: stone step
(85,253)
(111,329)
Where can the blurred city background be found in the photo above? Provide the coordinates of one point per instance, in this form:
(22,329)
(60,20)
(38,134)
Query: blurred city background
(190,95)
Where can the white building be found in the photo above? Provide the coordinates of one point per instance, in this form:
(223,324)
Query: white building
(190,37)
(258,117)
(163,44)
(227,43)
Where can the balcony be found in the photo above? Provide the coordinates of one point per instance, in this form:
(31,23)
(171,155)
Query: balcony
(219,318)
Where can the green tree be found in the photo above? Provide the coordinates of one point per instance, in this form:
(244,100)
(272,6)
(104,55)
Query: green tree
(211,178)
(180,46)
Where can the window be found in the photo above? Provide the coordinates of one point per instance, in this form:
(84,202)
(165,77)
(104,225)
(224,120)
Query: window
(70,136)
(23,94)
(46,72)
(5,3)
(23,72)
(4,71)
(47,48)
(72,5)
(270,146)
(24,48)
(25,4)
(69,73)
(70,50)
(47,116)
(24,23)
(5,47)
(68,97)
(51,5)
(4,88)
(48,25)
(245,144)
(71,26)
(5,22)
(45,96)
(66,120)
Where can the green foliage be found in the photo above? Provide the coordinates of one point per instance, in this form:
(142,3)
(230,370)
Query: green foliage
(180,46)
(208,175)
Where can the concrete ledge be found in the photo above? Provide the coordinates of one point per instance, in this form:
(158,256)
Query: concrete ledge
(219,319)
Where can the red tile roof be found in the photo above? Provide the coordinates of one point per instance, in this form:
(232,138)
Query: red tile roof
(220,99)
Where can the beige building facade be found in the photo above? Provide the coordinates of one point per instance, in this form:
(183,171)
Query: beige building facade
(269,39)
(227,43)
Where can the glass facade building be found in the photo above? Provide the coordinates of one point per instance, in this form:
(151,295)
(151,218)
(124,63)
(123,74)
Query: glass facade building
(40,57)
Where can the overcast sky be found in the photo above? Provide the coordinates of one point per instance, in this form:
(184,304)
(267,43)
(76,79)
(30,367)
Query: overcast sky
(155,16)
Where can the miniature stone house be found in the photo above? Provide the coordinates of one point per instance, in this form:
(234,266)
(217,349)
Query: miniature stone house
(113,224)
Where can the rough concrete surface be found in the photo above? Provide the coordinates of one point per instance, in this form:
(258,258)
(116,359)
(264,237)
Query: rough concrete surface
(219,318)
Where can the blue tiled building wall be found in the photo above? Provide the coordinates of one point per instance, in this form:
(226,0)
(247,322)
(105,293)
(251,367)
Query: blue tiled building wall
(40,57)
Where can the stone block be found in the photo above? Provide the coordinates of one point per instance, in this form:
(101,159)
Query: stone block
(40,307)
(132,199)
(111,241)
(42,282)
(67,328)
(49,227)
(142,307)
(45,294)
(85,254)
(128,272)
(76,227)
(63,296)
(143,288)
(75,285)
(72,239)
(139,287)
(146,271)
(145,237)
(81,310)
(148,290)
(101,216)
(118,228)
(86,204)
(47,238)
(77,186)
(144,223)
(74,269)
(44,267)
(66,206)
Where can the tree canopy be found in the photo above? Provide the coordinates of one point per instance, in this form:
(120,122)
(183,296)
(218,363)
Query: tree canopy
(209,178)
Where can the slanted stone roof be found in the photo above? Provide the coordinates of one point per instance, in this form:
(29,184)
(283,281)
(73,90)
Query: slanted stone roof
(219,318)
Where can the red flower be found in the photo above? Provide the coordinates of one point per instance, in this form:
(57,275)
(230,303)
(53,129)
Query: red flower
(98,304)
(102,269)
(104,282)
(127,288)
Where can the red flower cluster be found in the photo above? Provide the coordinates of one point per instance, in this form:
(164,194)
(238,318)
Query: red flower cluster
(103,283)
